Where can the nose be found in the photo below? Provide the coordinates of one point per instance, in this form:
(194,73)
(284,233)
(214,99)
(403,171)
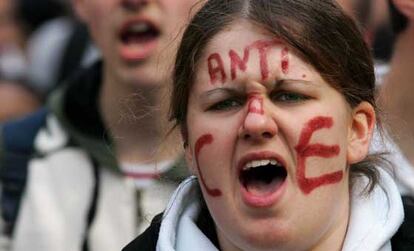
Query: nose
(134,4)
(258,124)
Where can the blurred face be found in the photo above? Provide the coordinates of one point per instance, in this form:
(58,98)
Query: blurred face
(270,142)
(137,38)
(9,31)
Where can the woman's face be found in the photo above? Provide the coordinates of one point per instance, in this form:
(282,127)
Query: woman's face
(270,142)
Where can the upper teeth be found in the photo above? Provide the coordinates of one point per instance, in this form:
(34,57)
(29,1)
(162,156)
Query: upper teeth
(256,163)
(139,27)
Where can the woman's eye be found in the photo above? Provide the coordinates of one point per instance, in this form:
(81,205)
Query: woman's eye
(225,105)
(289,97)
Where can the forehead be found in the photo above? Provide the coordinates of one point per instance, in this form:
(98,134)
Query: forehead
(236,36)
(255,49)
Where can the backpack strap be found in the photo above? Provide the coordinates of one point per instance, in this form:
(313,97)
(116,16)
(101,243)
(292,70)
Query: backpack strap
(74,51)
(147,241)
(17,149)
(94,203)
(403,240)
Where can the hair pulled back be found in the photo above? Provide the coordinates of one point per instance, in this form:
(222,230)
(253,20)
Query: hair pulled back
(319,32)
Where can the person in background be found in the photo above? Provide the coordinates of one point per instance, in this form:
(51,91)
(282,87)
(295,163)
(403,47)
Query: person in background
(372,16)
(18,21)
(16,98)
(89,170)
(57,49)
(388,19)
(396,93)
(32,14)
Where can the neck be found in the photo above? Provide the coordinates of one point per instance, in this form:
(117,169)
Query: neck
(336,236)
(137,119)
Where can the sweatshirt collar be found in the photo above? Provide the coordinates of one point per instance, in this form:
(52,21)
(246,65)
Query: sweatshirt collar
(178,229)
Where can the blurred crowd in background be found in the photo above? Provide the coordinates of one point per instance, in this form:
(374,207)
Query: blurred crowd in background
(41,43)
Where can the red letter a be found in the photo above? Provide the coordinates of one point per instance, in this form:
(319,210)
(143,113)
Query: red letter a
(217,68)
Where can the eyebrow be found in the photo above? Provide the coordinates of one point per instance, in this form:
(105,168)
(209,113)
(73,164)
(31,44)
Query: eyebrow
(220,91)
(280,82)
(234,91)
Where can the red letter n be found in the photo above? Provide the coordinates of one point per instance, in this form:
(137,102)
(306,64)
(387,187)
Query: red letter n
(236,62)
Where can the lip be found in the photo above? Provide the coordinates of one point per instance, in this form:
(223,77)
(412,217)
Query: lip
(138,51)
(268,199)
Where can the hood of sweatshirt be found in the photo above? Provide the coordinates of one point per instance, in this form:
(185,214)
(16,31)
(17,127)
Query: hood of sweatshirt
(374,218)
(75,104)
(404,174)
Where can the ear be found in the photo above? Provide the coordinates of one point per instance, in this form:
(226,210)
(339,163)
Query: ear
(360,132)
(80,9)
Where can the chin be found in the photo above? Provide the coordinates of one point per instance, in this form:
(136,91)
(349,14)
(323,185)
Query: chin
(264,244)
(259,237)
(141,77)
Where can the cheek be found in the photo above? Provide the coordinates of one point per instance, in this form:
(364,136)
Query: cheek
(95,25)
(317,166)
(205,142)
(224,127)
(213,151)
(98,18)
(177,13)
(213,144)
(314,149)
(212,163)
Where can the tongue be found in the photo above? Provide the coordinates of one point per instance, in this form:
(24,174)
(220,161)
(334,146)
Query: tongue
(263,188)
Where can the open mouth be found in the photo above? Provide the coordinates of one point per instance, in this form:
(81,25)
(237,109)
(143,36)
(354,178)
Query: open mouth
(139,32)
(138,39)
(262,177)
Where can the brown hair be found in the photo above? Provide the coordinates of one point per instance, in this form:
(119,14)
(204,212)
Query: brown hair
(318,30)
